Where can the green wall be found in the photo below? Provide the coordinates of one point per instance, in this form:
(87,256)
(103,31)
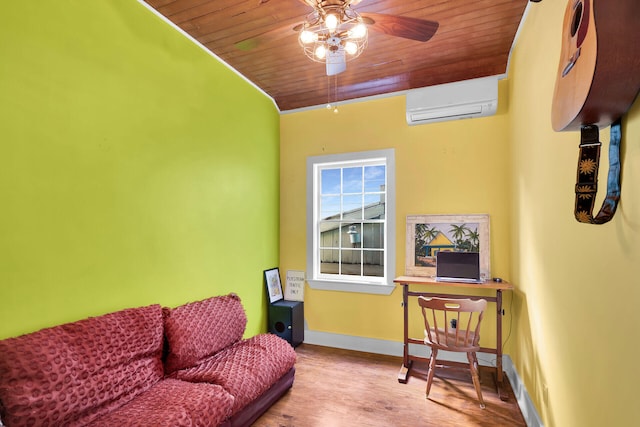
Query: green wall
(129,174)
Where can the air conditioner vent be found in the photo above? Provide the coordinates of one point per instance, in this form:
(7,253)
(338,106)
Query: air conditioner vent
(453,101)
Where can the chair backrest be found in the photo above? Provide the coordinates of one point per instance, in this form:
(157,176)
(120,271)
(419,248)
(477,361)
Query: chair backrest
(452,324)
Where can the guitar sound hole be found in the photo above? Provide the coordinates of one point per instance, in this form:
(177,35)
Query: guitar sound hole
(577,18)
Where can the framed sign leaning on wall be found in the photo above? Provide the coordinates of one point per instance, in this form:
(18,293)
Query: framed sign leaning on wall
(429,234)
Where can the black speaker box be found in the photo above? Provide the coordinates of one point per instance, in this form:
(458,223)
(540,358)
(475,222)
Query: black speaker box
(286,319)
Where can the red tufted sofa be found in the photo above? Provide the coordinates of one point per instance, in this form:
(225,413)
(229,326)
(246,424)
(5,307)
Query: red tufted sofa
(147,366)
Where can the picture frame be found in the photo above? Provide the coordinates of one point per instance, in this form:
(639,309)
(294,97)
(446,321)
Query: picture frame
(428,234)
(274,286)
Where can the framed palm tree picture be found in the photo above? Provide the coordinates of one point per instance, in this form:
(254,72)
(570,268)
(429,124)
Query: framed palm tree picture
(429,234)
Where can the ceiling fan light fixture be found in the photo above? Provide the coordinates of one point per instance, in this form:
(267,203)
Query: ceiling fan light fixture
(320,52)
(307,37)
(333,29)
(358,32)
(351,48)
(331,21)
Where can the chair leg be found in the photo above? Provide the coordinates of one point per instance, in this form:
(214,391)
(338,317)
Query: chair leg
(432,368)
(473,365)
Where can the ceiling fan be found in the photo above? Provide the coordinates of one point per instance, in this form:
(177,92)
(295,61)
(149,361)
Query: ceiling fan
(335,33)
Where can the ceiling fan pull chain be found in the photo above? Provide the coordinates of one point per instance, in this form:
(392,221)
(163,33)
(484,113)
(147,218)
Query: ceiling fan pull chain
(333,106)
(328,92)
(335,97)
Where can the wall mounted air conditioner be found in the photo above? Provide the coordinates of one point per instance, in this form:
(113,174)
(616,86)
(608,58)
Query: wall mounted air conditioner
(452,101)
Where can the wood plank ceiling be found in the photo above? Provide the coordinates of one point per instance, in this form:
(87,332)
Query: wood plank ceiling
(256,38)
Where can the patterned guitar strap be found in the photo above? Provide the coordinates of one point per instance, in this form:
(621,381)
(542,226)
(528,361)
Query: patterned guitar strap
(587,175)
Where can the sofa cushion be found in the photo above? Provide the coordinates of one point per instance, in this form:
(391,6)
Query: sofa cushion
(173,403)
(246,369)
(70,374)
(197,330)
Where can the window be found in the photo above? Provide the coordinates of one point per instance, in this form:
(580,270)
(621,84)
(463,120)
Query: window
(351,222)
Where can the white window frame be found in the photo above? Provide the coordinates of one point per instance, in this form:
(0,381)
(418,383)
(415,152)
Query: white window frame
(385,285)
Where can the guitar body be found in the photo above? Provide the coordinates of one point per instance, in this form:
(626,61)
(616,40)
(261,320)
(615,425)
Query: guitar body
(599,71)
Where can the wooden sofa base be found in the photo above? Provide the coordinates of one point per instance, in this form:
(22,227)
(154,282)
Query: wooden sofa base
(250,413)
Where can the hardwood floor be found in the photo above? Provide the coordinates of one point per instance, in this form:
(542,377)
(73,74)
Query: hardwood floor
(340,388)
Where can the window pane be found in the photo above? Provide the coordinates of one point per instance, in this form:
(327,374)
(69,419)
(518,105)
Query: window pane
(373,236)
(374,178)
(352,236)
(329,207)
(352,180)
(374,206)
(373,263)
(330,181)
(329,261)
(329,235)
(351,262)
(352,207)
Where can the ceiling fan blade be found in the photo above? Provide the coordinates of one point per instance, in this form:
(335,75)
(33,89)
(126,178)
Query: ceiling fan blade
(310,3)
(403,26)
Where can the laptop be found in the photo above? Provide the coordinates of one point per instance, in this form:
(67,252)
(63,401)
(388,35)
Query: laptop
(458,267)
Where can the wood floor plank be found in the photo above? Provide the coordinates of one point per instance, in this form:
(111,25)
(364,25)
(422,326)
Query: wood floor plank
(340,388)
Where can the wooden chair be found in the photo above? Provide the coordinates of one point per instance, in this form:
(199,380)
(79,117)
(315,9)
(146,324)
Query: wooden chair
(453,325)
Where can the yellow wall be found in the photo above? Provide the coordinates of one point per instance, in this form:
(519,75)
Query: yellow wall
(452,167)
(128,174)
(576,303)
(574,318)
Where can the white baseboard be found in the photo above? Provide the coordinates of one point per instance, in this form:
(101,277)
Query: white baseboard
(528,409)
(394,348)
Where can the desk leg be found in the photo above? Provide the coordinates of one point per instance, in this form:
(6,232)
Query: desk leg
(502,391)
(406,363)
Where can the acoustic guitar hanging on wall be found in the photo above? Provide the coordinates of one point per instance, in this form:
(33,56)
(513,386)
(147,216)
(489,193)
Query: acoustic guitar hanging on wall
(598,80)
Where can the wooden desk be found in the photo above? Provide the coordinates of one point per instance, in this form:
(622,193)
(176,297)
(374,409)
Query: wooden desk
(458,290)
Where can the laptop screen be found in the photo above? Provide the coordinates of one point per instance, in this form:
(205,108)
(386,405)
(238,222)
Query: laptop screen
(458,266)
